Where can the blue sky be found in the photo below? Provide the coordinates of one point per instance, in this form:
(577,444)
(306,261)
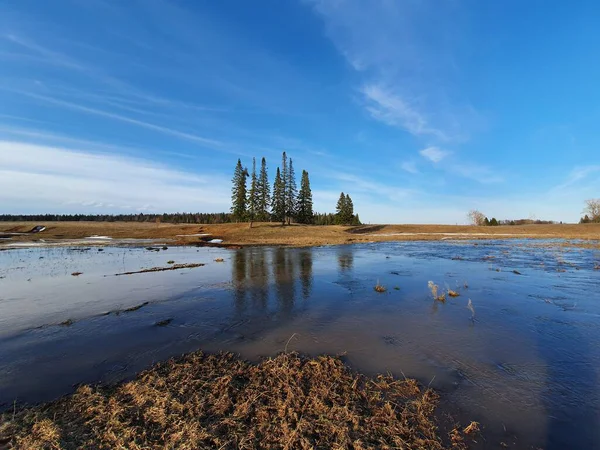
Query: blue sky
(421,110)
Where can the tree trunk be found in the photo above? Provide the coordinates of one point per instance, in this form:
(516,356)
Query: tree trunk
(250,224)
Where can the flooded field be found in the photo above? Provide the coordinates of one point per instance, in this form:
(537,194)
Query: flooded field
(517,349)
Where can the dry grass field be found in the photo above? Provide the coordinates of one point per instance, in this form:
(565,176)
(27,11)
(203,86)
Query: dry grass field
(295,235)
(218,401)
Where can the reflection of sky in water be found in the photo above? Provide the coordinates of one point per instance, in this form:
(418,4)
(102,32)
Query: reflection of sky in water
(529,360)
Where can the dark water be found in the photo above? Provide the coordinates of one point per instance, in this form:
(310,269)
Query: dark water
(527,365)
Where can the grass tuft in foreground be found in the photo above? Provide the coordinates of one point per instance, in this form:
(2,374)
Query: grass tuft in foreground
(219,401)
(435,292)
(379,287)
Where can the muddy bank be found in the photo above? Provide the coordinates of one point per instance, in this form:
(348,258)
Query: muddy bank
(219,401)
(240,234)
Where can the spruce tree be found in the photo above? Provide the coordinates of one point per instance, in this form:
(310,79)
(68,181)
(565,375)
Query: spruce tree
(340,209)
(253,199)
(284,179)
(278,209)
(305,204)
(291,193)
(264,192)
(349,212)
(238,192)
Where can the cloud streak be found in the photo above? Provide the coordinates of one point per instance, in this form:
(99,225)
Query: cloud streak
(392,109)
(408,72)
(114,116)
(52,179)
(434,154)
(410,167)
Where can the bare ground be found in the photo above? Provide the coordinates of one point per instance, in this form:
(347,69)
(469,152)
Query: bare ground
(218,401)
(296,235)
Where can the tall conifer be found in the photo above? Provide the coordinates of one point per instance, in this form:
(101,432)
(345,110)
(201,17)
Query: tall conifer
(291,193)
(304,203)
(340,209)
(284,179)
(238,192)
(253,199)
(264,192)
(278,206)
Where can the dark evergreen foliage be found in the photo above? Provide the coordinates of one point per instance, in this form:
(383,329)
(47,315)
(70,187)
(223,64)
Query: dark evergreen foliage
(278,207)
(324,219)
(304,203)
(238,192)
(291,193)
(344,210)
(200,218)
(283,184)
(264,193)
(253,195)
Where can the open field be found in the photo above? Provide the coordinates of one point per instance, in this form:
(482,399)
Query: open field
(218,401)
(295,235)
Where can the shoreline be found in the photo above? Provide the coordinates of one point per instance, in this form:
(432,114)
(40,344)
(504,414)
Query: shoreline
(235,236)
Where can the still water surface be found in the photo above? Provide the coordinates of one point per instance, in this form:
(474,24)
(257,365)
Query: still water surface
(527,364)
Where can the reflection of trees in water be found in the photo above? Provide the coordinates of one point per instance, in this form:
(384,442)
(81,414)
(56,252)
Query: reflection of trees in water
(251,276)
(259,279)
(305,258)
(283,269)
(238,277)
(345,258)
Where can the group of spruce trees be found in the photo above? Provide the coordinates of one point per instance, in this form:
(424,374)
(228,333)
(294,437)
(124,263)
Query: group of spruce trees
(257,204)
(345,211)
(285,203)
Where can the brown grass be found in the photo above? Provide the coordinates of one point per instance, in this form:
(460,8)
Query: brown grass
(218,401)
(452,293)
(435,292)
(295,235)
(379,288)
(473,427)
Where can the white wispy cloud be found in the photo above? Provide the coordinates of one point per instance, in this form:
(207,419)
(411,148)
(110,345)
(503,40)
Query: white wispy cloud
(481,174)
(577,175)
(408,74)
(354,183)
(37,178)
(434,154)
(392,109)
(119,117)
(410,167)
(46,55)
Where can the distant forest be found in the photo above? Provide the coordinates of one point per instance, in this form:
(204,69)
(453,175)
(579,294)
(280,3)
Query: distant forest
(199,218)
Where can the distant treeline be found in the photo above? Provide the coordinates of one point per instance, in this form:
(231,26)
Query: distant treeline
(495,222)
(201,218)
